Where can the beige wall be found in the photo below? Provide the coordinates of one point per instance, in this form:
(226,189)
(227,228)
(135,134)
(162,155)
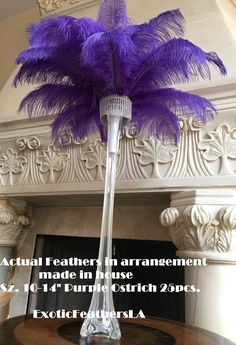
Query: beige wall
(13,39)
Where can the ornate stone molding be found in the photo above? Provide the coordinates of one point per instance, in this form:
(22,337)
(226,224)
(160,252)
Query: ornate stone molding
(153,152)
(13,221)
(11,164)
(52,5)
(48,7)
(51,161)
(220,145)
(95,158)
(204,228)
(33,160)
(205,152)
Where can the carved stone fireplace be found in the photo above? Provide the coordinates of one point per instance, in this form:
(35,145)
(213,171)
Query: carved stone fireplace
(70,296)
(53,191)
(49,190)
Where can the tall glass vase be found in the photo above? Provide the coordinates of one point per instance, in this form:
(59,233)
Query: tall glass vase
(101,320)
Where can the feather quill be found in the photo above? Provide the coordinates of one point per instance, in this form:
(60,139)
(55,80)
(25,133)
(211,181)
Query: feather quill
(158,30)
(112,52)
(158,120)
(56,30)
(179,102)
(78,122)
(44,72)
(113,14)
(174,62)
(52,99)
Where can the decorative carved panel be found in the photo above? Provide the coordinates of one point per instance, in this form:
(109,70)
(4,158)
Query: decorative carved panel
(220,145)
(52,5)
(32,160)
(48,7)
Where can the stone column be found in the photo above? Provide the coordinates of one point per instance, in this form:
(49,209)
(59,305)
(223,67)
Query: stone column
(13,223)
(202,224)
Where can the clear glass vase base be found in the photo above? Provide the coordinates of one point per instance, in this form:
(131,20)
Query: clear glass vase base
(132,334)
(101,328)
(98,341)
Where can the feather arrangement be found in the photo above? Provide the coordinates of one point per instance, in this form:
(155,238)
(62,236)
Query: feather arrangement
(76,62)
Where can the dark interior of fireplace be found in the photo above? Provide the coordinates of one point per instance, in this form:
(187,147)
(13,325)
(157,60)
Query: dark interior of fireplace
(168,305)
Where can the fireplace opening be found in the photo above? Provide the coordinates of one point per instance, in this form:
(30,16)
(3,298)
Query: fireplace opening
(169,305)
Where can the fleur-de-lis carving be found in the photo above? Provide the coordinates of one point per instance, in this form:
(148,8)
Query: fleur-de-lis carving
(152,151)
(221,144)
(95,157)
(52,160)
(11,164)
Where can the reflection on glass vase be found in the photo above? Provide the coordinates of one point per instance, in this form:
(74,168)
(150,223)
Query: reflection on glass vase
(101,321)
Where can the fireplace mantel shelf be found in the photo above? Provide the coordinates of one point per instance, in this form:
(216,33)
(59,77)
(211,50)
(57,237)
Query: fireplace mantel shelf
(204,158)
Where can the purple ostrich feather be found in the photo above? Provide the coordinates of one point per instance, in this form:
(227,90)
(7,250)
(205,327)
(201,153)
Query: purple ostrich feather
(76,62)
